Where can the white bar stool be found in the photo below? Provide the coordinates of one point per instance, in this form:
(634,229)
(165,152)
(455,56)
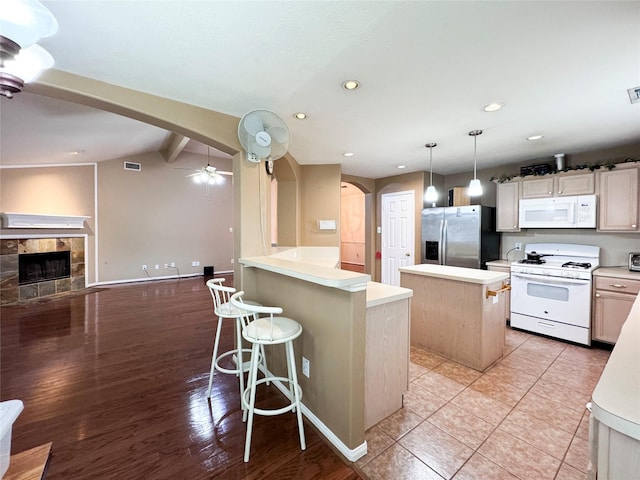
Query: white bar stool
(223,309)
(269,329)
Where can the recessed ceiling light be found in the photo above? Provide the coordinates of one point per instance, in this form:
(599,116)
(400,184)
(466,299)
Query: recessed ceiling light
(351,85)
(77,152)
(493,107)
(348,154)
(401,166)
(300,115)
(534,137)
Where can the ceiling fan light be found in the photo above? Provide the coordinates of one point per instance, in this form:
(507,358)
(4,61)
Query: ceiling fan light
(475,188)
(28,64)
(26,21)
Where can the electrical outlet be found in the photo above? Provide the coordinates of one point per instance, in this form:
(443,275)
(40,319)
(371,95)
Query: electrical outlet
(305,367)
(195,263)
(518,246)
(144,267)
(173,264)
(166,265)
(157,267)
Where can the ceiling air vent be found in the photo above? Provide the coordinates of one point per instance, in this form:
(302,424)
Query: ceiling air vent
(136,167)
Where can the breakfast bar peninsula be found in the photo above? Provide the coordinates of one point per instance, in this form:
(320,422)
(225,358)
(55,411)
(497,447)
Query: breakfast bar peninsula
(458,313)
(355,337)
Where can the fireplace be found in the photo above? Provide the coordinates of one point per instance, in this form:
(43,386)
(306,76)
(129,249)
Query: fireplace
(40,267)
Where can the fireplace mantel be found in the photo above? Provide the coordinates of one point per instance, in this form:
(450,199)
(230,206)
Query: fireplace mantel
(36,220)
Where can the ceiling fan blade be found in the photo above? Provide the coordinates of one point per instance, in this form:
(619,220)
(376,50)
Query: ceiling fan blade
(279,134)
(253,124)
(221,172)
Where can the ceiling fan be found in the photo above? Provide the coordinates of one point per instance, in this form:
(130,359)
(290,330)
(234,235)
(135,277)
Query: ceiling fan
(209,175)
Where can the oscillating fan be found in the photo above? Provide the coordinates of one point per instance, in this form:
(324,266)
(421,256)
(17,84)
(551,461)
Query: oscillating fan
(263,135)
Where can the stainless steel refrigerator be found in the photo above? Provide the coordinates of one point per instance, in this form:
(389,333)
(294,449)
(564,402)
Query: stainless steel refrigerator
(460,236)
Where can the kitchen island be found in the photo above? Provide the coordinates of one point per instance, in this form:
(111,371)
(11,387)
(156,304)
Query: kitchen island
(355,336)
(457,312)
(614,425)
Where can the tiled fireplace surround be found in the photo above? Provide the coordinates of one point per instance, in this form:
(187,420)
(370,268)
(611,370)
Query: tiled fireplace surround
(11,248)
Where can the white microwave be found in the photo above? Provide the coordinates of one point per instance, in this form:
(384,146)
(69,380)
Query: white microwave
(558,212)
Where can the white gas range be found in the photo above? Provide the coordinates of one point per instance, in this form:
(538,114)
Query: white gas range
(551,290)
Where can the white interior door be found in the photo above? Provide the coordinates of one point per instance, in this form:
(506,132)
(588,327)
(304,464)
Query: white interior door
(398,234)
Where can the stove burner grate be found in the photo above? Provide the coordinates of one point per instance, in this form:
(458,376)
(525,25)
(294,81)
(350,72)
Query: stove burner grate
(532,261)
(584,265)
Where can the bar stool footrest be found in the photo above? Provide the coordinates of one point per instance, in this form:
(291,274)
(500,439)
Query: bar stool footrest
(245,367)
(274,411)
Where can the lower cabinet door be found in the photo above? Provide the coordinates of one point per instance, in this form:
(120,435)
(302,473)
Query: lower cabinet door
(611,309)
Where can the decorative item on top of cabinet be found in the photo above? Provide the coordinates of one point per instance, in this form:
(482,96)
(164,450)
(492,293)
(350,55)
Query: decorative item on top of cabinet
(559,185)
(618,199)
(507,202)
(612,302)
(458,197)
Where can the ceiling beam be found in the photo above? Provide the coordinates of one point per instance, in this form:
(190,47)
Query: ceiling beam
(173,146)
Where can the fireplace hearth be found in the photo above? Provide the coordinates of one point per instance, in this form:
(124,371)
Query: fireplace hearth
(40,267)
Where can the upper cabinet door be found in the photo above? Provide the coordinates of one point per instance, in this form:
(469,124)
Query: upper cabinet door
(579,184)
(618,201)
(540,187)
(507,204)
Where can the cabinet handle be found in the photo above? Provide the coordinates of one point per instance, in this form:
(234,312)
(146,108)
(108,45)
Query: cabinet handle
(597,295)
(617,285)
(515,226)
(559,191)
(550,193)
(633,226)
(493,293)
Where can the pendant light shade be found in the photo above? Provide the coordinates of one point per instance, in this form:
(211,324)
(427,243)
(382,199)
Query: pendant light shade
(431,195)
(475,187)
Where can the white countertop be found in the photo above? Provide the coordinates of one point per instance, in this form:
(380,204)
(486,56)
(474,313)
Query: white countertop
(322,275)
(500,263)
(380,293)
(460,274)
(616,398)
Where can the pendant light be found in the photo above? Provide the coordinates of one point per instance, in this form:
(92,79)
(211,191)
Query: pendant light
(475,188)
(430,195)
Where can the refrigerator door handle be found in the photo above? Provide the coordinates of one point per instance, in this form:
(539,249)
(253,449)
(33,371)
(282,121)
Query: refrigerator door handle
(443,241)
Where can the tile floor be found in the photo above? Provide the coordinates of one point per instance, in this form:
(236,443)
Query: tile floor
(524,418)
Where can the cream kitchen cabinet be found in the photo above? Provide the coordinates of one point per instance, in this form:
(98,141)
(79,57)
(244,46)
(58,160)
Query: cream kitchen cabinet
(618,200)
(559,185)
(507,203)
(615,290)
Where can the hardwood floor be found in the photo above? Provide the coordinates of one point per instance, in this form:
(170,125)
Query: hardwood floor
(116,378)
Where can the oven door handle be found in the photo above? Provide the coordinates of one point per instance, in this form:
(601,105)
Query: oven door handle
(552,280)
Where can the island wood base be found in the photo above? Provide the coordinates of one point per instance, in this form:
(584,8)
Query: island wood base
(456,319)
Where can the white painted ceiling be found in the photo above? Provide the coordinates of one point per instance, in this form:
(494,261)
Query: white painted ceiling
(562,70)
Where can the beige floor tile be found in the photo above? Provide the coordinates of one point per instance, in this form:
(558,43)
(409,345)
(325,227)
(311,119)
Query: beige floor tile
(478,404)
(522,362)
(457,373)
(541,435)
(512,376)
(396,462)
(571,367)
(550,412)
(567,472)
(568,397)
(416,370)
(399,423)
(519,457)
(377,442)
(439,385)
(578,454)
(436,448)
(495,388)
(516,336)
(422,401)
(425,359)
(545,344)
(461,425)
(481,468)
(583,428)
(581,383)
(586,355)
